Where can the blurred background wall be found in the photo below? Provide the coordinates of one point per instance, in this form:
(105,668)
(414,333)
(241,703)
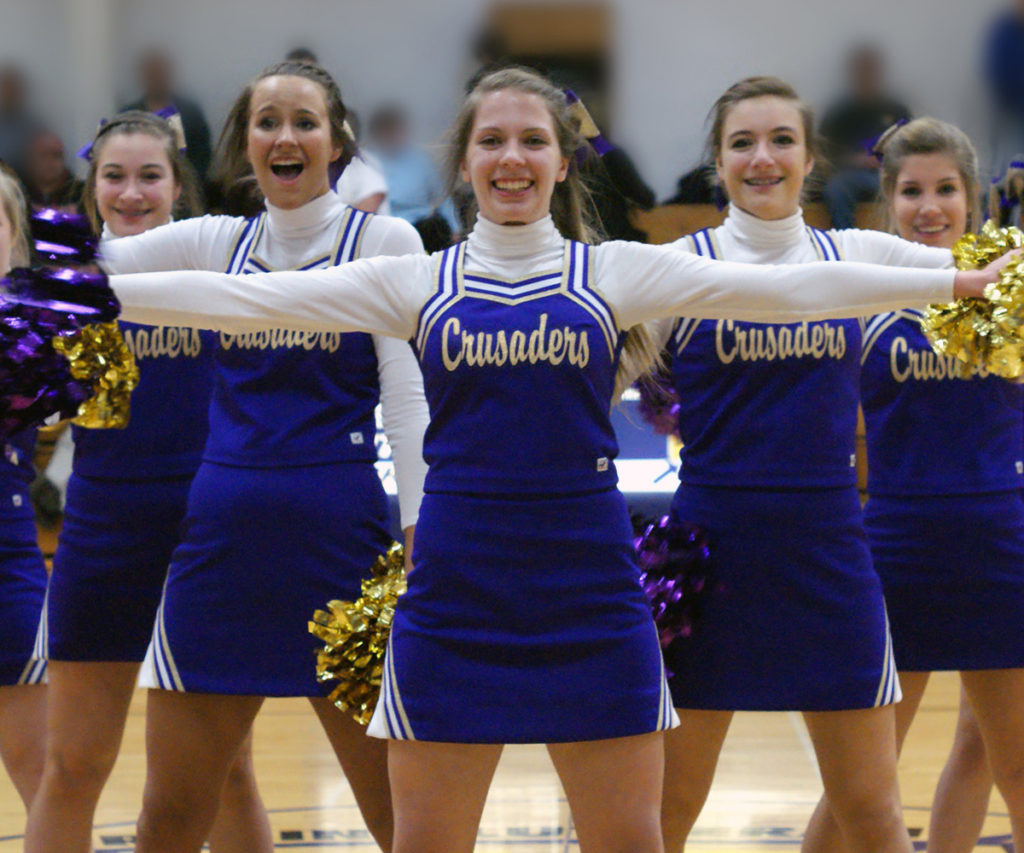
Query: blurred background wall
(665,60)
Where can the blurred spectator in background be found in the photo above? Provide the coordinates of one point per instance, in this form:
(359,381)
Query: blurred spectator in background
(302,54)
(17,123)
(1003,59)
(850,128)
(1007,193)
(698,186)
(156,77)
(415,190)
(48,180)
(362,184)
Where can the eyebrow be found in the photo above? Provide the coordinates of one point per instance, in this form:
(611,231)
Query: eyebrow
(304,110)
(494,128)
(781,127)
(947,178)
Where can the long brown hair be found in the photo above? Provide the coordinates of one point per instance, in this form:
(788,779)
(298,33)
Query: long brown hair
(132,122)
(930,136)
(571,209)
(233,173)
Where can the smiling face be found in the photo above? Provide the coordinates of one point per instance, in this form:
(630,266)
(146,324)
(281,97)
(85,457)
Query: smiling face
(288,142)
(135,185)
(763,157)
(512,158)
(930,204)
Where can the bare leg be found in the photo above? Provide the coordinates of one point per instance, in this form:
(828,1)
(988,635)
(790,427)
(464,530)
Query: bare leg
(691,755)
(857,755)
(241,825)
(439,791)
(823,835)
(86,711)
(997,696)
(614,791)
(961,797)
(23,736)
(365,762)
(191,741)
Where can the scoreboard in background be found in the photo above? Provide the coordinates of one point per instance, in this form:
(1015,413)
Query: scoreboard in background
(648,464)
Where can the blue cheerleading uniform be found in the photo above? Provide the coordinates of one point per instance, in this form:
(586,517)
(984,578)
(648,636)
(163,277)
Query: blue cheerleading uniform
(944,517)
(22,571)
(286,510)
(126,501)
(524,619)
(794,619)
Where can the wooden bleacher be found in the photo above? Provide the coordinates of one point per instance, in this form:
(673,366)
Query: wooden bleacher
(669,222)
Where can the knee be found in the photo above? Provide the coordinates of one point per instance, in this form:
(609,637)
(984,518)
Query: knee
(170,820)
(865,810)
(240,783)
(969,753)
(1008,773)
(78,769)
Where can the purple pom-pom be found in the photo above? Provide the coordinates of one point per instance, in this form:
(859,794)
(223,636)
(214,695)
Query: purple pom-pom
(659,403)
(674,565)
(37,305)
(63,238)
(86,295)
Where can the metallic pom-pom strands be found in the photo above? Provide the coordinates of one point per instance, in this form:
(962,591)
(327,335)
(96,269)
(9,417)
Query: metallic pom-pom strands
(99,356)
(674,564)
(985,334)
(355,636)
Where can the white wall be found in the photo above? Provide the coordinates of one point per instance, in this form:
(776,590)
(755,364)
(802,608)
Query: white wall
(672,58)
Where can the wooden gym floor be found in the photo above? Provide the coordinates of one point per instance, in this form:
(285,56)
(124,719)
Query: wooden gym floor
(766,786)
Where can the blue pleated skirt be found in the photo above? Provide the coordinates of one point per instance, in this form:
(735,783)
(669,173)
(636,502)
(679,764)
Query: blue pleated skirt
(110,566)
(22,588)
(795,618)
(524,622)
(262,549)
(952,568)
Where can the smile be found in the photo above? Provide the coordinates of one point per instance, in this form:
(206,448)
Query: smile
(930,229)
(763,182)
(513,185)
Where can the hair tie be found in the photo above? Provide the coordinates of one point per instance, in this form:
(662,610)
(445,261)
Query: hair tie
(588,127)
(85,152)
(876,146)
(172,116)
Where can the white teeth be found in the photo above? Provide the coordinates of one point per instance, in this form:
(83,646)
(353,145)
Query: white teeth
(933,229)
(512,185)
(764,182)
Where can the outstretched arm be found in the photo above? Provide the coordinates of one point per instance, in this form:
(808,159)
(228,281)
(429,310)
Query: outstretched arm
(381,295)
(647,282)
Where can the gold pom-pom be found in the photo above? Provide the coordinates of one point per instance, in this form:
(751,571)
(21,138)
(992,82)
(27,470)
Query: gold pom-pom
(355,636)
(984,334)
(99,355)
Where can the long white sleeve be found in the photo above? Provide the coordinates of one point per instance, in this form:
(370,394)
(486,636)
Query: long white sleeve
(647,282)
(405,415)
(380,295)
(877,247)
(191,244)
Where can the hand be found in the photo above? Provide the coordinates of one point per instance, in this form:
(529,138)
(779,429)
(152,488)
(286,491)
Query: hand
(972,283)
(409,533)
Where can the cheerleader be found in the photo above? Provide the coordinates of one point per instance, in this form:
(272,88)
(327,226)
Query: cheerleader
(122,520)
(795,619)
(945,521)
(524,619)
(22,572)
(286,510)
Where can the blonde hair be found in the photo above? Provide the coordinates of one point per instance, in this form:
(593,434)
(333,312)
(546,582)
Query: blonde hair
(13,200)
(930,136)
(571,208)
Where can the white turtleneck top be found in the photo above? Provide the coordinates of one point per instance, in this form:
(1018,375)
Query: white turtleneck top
(288,240)
(775,406)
